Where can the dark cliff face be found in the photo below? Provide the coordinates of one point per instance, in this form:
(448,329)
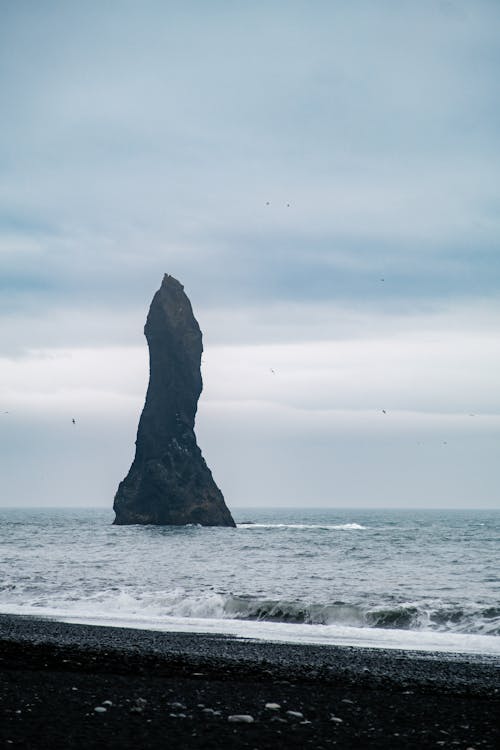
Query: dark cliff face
(169,481)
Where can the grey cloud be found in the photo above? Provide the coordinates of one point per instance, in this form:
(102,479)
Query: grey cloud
(151,139)
(147,138)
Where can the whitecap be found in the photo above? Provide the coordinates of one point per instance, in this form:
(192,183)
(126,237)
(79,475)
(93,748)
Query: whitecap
(321,526)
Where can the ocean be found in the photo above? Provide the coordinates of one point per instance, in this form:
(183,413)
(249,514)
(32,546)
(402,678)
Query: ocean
(411,579)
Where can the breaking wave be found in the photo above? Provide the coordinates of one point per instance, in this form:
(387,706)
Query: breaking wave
(211,605)
(403,616)
(320,526)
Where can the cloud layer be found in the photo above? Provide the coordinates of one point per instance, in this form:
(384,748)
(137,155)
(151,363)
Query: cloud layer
(324,184)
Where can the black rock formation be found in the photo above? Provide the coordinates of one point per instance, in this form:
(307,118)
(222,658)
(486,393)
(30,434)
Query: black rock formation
(169,481)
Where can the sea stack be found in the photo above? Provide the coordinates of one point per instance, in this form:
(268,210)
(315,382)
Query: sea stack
(169,481)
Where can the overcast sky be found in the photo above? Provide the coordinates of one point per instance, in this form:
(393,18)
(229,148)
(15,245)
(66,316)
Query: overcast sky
(323,179)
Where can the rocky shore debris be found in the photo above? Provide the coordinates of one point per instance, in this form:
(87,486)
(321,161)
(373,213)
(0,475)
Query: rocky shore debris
(241,719)
(210,712)
(139,706)
(169,482)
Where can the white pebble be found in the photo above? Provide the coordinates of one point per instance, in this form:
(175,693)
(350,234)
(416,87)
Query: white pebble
(107,703)
(241,719)
(295,714)
(100,710)
(273,706)
(336,719)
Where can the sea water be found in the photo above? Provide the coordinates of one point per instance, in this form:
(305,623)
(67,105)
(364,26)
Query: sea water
(389,578)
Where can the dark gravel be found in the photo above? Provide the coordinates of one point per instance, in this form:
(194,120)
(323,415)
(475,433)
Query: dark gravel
(173,690)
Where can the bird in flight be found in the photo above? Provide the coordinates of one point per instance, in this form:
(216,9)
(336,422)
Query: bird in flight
(73,420)
(384,411)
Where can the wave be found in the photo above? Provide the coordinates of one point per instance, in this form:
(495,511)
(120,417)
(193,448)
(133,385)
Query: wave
(211,605)
(340,526)
(409,616)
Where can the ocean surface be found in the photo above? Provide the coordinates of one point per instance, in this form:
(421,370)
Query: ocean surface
(379,578)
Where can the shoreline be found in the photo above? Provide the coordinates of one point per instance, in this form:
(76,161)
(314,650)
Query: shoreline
(122,646)
(55,674)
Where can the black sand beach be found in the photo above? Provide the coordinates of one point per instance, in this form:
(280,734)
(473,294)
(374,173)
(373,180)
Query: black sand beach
(166,690)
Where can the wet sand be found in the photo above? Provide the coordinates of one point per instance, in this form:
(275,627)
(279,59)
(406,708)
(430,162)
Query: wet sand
(174,690)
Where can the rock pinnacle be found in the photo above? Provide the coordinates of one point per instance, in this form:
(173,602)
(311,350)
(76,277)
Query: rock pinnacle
(169,481)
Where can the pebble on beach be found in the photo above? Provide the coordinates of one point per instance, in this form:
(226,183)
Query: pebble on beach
(210,712)
(140,705)
(100,710)
(272,706)
(241,719)
(295,714)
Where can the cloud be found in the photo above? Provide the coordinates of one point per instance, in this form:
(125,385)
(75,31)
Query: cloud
(324,184)
(367,418)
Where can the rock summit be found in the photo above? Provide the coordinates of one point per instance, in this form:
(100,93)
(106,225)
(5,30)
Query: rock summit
(169,481)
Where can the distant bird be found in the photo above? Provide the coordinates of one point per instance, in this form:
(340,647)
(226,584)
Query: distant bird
(384,411)
(73,421)
(288,205)
(382,279)
(272,371)
(267,203)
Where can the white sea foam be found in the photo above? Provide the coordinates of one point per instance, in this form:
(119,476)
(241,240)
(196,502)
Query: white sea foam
(325,621)
(300,634)
(338,526)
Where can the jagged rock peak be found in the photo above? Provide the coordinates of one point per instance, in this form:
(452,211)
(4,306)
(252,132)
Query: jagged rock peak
(169,481)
